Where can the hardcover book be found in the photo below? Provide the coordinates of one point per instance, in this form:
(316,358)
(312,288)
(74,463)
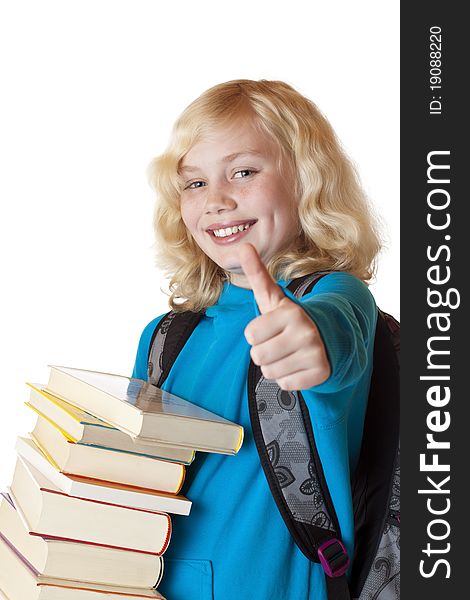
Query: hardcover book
(144,411)
(20,581)
(102,491)
(82,561)
(52,513)
(106,464)
(84,428)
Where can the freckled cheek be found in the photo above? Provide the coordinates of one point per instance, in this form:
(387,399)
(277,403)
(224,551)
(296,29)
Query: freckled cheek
(260,197)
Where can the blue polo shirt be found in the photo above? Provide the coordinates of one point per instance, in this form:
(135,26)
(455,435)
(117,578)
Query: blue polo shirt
(234,544)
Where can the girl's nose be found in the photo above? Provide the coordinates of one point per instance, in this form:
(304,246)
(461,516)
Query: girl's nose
(219,199)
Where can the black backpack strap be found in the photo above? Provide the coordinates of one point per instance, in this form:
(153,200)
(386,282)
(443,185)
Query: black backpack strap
(284,438)
(169,338)
(376,481)
(304,285)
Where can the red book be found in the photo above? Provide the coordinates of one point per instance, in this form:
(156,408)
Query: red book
(70,559)
(53,513)
(20,581)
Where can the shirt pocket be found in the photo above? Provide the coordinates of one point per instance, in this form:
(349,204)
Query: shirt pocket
(187,579)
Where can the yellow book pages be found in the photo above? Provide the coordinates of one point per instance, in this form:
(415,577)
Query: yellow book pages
(240,440)
(79,427)
(46,454)
(64,433)
(76,413)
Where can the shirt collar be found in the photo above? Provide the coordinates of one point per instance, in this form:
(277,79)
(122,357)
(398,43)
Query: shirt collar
(236,298)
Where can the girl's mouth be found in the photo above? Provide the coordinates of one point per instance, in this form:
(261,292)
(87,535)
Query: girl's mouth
(228,235)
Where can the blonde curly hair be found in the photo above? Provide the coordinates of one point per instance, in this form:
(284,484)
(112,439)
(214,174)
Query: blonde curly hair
(337,228)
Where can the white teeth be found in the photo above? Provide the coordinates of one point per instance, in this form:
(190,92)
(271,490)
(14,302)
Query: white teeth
(230,230)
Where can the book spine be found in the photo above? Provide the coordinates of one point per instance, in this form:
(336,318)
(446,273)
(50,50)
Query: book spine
(19,555)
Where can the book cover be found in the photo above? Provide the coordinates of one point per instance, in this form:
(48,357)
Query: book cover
(71,559)
(145,411)
(100,463)
(53,513)
(84,428)
(102,491)
(19,580)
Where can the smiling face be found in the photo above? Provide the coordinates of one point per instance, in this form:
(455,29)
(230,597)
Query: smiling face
(234,192)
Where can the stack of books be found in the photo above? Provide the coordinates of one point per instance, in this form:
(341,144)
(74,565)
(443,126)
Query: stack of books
(87,515)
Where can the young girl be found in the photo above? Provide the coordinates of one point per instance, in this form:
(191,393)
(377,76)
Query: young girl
(253,191)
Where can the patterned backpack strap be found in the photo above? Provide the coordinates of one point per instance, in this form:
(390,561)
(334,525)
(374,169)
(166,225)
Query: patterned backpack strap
(169,337)
(284,438)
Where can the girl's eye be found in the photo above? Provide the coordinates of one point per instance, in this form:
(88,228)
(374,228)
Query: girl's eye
(243,173)
(194,185)
(240,174)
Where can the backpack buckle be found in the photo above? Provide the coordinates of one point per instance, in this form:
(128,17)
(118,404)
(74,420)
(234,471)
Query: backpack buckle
(333,557)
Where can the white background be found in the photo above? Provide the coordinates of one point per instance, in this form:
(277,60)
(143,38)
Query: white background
(90,90)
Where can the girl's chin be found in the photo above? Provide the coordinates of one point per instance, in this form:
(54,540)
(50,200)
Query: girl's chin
(229,260)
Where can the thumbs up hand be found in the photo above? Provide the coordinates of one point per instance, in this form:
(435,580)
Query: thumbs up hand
(284,340)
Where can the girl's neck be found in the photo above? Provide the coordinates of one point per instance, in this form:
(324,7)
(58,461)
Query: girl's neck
(239,280)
